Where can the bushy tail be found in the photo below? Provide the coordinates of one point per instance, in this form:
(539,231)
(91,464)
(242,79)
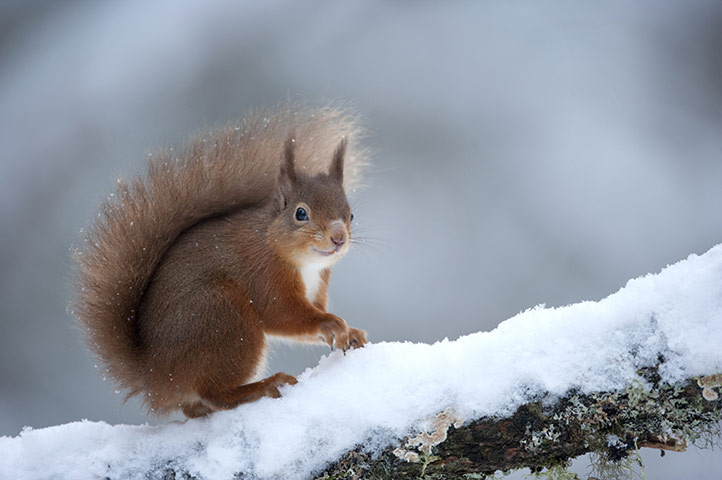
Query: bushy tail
(220,171)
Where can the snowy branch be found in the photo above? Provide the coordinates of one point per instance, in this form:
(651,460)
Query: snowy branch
(612,425)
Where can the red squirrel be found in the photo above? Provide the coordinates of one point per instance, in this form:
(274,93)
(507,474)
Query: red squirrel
(189,269)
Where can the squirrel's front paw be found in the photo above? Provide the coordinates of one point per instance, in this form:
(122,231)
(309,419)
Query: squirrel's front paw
(356,338)
(333,330)
(336,332)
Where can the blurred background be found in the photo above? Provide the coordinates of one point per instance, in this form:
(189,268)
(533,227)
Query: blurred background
(525,152)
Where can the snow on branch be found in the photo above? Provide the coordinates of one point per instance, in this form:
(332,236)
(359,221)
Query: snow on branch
(632,370)
(610,425)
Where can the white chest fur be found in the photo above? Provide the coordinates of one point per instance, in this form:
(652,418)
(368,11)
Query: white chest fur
(311,275)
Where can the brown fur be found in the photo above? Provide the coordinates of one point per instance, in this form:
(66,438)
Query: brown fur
(187,270)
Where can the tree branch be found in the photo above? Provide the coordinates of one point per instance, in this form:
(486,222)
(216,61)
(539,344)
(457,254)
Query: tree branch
(612,425)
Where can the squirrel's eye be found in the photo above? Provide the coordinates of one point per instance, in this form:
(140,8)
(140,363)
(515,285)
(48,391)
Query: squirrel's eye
(301,214)
(351,219)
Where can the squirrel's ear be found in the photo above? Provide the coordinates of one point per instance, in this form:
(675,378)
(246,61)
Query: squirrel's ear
(336,170)
(287,174)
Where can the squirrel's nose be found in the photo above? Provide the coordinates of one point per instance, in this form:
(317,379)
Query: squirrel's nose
(338,239)
(337,234)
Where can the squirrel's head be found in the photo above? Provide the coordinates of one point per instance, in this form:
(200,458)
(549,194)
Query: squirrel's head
(314,220)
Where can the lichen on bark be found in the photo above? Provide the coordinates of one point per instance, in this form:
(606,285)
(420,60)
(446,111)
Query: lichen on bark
(548,434)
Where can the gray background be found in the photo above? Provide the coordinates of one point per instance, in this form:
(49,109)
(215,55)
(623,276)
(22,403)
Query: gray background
(526,152)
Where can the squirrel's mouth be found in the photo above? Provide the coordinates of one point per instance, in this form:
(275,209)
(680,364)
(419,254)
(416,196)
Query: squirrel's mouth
(324,253)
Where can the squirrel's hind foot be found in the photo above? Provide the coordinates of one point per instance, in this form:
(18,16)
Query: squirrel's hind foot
(213,399)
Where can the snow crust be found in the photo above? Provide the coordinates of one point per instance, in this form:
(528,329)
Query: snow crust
(376,395)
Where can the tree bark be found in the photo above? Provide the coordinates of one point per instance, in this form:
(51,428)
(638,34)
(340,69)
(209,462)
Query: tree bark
(612,425)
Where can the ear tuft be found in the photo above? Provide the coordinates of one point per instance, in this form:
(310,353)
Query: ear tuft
(290,159)
(287,173)
(336,170)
